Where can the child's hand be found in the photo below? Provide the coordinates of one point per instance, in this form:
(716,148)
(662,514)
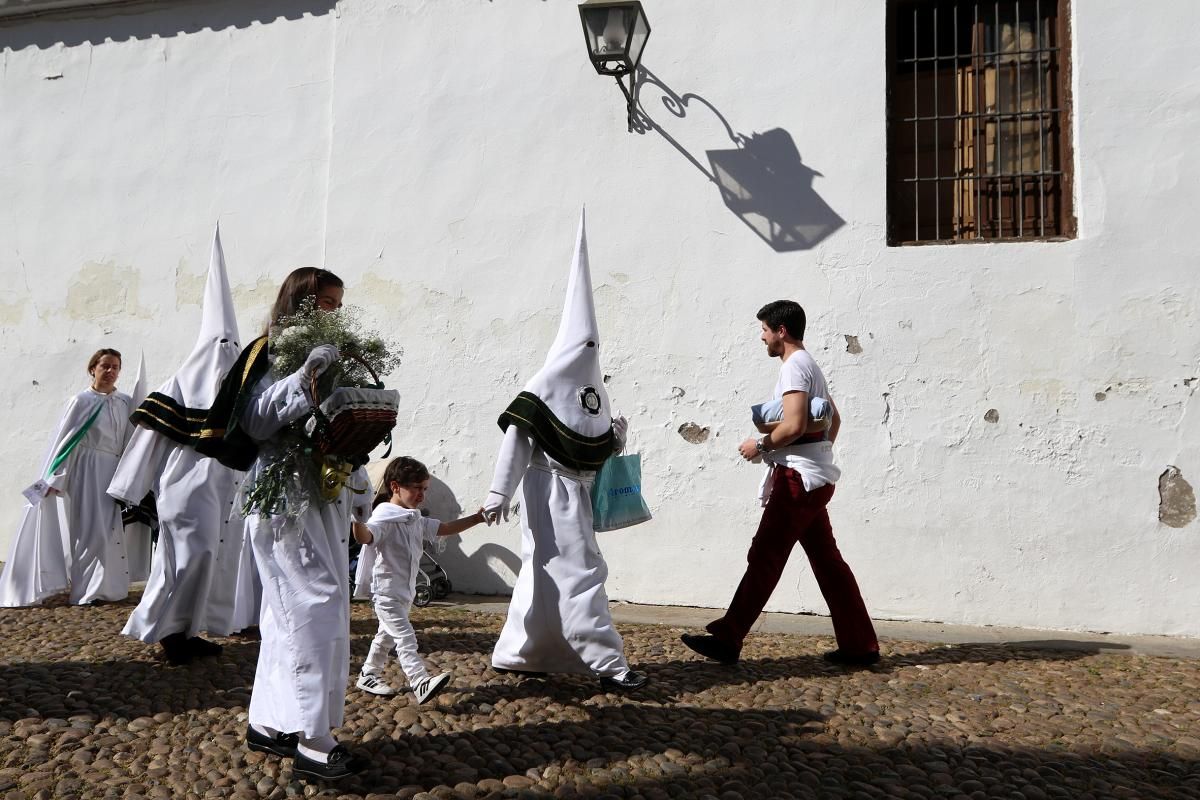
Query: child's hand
(362,534)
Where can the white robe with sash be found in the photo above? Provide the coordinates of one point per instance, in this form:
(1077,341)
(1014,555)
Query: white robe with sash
(193,578)
(76,538)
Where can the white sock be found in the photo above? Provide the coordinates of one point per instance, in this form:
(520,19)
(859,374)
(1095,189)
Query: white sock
(265,730)
(317,748)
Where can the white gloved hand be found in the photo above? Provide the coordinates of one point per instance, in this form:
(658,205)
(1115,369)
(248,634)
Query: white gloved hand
(495,508)
(620,427)
(320,359)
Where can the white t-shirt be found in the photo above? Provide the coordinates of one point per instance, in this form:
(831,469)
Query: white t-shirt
(399,538)
(814,461)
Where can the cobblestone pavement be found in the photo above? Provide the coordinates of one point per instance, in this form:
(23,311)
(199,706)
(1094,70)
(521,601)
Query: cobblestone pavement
(85,712)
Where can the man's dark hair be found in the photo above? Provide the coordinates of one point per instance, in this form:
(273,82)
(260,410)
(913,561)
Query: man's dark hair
(784,314)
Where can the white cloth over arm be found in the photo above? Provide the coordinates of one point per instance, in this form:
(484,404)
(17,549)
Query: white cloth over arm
(512,461)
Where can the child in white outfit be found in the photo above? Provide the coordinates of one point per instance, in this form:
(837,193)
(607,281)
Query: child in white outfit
(394,539)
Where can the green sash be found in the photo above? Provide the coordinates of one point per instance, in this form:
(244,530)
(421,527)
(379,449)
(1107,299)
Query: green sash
(574,450)
(69,445)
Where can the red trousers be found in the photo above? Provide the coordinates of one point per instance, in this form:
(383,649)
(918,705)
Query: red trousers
(796,515)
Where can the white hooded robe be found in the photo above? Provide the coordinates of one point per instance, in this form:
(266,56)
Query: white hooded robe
(558,432)
(200,561)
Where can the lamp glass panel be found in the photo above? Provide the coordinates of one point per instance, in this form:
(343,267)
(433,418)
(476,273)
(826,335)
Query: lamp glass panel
(637,40)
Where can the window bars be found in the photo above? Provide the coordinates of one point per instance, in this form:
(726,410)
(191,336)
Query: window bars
(978,129)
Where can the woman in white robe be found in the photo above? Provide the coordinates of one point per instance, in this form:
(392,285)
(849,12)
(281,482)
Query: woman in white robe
(71,534)
(299,692)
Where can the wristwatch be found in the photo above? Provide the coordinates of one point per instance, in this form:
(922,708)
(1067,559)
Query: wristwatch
(761,444)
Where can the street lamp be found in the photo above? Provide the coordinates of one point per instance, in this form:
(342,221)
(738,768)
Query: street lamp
(615,32)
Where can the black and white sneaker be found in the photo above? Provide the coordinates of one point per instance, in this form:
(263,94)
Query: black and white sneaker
(428,688)
(374,685)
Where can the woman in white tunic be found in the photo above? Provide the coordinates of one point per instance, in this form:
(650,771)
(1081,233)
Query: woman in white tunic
(71,533)
(557,433)
(299,690)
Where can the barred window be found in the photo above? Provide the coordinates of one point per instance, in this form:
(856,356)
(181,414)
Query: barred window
(978,121)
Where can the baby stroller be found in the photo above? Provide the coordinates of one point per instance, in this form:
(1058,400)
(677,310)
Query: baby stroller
(432,581)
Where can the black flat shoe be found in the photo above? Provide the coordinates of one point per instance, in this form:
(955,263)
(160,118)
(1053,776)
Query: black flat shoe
(283,744)
(341,764)
(630,681)
(525,673)
(844,659)
(710,646)
(175,649)
(203,648)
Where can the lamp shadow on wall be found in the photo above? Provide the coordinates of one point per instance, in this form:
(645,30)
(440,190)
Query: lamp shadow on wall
(762,178)
(148,19)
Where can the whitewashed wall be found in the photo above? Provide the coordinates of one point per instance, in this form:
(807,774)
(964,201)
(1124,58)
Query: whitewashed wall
(436,155)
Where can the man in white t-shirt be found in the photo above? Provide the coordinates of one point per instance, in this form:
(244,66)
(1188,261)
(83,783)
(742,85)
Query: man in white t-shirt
(795,495)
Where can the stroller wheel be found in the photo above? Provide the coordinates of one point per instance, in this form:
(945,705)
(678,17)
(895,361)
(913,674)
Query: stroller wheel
(441,587)
(422,596)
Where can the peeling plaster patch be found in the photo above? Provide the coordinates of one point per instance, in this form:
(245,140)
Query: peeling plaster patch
(1101,397)
(189,288)
(1176,500)
(693,433)
(852,345)
(991,415)
(12,313)
(677,392)
(259,296)
(102,289)
(1188,381)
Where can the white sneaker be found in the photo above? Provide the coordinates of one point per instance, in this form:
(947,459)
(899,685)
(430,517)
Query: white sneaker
(428,688)
(374,685)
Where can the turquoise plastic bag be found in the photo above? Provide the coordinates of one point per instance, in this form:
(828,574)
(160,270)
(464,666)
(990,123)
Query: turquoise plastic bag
(617,494)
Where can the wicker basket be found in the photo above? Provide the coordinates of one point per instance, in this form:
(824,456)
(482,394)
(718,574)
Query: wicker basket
(352,422)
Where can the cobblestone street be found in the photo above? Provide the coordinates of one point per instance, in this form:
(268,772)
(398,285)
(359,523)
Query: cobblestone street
(85,712)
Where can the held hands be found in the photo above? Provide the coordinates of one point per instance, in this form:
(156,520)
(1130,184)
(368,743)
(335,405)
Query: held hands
(495,508)
(620,427)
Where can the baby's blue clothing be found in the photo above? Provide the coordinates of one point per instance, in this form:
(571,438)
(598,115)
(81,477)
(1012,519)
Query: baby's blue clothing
(772,410)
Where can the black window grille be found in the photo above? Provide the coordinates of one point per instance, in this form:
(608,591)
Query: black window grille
(978,121)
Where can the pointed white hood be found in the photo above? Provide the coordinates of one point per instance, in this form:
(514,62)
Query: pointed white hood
(570,382)
(139,382)
(196,382)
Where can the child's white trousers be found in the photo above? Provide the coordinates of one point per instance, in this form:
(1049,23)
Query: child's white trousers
(394,629)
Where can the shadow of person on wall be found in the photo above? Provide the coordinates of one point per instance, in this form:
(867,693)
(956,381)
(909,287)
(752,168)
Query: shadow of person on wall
(761,178)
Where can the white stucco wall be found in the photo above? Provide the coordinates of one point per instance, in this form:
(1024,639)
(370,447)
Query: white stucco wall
(436,156)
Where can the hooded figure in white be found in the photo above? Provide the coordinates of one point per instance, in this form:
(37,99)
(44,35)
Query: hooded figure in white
(557,433)
(71,532)
(201,561)
(138,545)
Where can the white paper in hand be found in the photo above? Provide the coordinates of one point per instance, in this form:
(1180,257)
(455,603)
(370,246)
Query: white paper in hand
(36,492)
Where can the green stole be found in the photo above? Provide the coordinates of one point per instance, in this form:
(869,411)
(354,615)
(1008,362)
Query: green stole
(75,439)
(571,449)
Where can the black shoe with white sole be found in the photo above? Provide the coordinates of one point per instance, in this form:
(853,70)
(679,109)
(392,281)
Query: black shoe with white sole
(282,744)
(340,764)
(628,682)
